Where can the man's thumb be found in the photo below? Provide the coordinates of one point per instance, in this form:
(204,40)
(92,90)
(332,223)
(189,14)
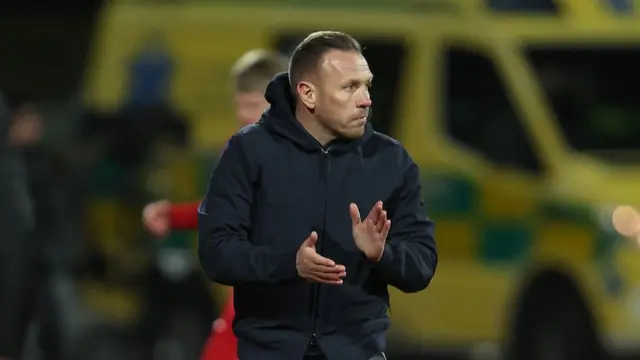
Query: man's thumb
(312,239)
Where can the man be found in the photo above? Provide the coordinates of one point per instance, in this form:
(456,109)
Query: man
(251,74)
(46,188)
(19,253)
(281,218)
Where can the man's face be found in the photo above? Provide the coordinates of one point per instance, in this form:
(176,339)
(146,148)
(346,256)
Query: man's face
(27,127)
(342,100)
(250,106)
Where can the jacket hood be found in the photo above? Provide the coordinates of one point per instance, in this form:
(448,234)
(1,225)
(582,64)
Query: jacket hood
(280,118)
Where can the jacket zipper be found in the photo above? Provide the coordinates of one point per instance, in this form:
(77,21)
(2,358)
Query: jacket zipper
(316,287)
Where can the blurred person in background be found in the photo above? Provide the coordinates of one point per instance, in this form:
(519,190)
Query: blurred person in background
(47,180)
(19,251)
(115,153)
(151,72)
(251,75)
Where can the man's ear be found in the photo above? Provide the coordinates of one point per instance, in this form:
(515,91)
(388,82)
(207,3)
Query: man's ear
(307,93)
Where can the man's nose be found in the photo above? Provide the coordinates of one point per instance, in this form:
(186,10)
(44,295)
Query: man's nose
(365,101)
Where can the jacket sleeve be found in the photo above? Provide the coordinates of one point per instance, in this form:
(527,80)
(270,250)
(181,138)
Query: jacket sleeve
(224,223)
(410,258)
(184,216)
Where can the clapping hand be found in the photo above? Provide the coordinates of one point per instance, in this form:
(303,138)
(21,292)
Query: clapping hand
(371,233)
(314,267)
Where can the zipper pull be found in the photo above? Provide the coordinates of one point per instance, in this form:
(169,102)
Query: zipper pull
(325,163)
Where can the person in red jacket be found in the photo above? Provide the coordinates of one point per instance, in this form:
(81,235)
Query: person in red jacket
(251,74)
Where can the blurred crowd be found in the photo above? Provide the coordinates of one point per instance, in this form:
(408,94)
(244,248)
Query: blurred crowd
(47,244)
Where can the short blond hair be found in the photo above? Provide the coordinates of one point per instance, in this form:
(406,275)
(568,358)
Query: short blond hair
(253,70)
(310,51)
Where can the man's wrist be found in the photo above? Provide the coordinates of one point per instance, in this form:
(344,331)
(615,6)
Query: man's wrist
(376,259)
(385,258)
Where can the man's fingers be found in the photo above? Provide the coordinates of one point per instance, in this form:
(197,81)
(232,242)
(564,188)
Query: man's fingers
(371,226)
(328,277)
(355,214)
(329,274)
(325,274)
(322,269)
(318,259)
(375,212)
(386,228)
(381,221)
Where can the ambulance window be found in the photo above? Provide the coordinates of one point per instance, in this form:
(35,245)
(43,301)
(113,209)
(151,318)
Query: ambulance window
(594,92)
(479,113)
(386,58)
(524,6)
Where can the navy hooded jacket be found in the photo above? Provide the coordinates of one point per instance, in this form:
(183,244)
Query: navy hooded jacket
(275,184)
